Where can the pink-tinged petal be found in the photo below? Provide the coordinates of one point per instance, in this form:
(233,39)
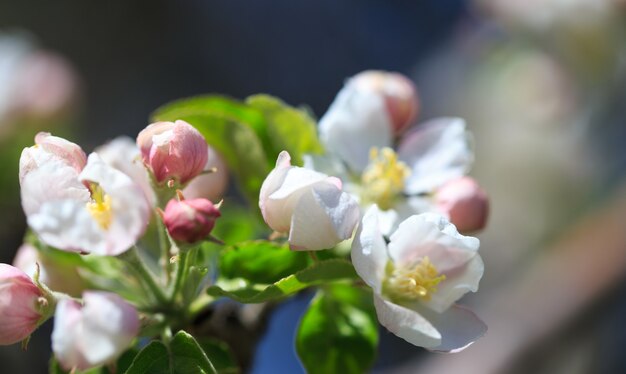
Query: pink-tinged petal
(70,152)
(459,328)
(322,217)
(456,285)
(355,122)
(122,154)
(144,139)
(109,326)
(403,209)
(464,202)
(431,235)
(436,151)
(129,207)
(67,335)
(210,186)
(397,91)
(19,314)
(407,324)
(369,251)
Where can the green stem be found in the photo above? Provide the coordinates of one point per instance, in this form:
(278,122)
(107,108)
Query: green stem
(199,304)
(181,273)
(164,247)
(132,258)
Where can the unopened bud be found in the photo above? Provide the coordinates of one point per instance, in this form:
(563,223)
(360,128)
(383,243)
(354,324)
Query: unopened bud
(173,151)
(465,203)
(398,93)
(20,308)
(189,221)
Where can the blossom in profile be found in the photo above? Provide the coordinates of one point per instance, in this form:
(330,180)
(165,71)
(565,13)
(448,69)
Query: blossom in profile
(191,220)
(173,151)
(94,333)
(417,278)
(94,209)
(308,206)
(22,305)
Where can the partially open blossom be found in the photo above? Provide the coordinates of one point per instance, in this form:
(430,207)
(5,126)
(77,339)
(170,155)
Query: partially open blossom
(95,333)
(310,206)
(190,220)
(57,276)
(94,210)
(173,151)
(416,278)
(465,204)
(22,305)
(211,185)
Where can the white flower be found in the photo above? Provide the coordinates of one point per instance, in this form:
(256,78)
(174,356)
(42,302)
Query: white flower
(308,205)
(89,335)
(416,278)
(94,210)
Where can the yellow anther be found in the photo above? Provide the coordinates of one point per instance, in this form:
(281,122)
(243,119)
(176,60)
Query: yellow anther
(416,281)
(384,177)
(100,206)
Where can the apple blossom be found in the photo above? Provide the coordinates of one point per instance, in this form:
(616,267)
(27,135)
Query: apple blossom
(173,151)
(464,203)
(95,333)
(94,210)
(190,220)
(310,206)
(211,185)
(416,278)
(23,305)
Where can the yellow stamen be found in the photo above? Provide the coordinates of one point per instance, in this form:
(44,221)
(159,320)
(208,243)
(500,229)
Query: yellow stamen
(100,206)
(384,177)
(417,281)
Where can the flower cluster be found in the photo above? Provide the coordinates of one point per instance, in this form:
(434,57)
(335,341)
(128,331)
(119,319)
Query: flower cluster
(125,245)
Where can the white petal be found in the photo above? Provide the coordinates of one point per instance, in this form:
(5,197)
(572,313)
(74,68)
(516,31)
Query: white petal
(355,122)
(459,328)
(51,179)
(403,209)
(110,324)
(431,235)
(436,151)
(66,224)
(322,217)
(326,164)
(456,285)
(369,251)
(130,208)
(123,154)
(407,324)
(66,334)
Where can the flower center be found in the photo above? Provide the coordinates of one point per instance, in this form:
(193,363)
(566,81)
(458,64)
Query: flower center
(100,206)
(419,280)
(384,177)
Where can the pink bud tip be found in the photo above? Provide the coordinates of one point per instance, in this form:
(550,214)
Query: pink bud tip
(173,151)
(192,220)
(465,203)
(19,312)
(398,92)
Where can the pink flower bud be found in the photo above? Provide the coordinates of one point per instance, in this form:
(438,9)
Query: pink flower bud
(398,92)
(20,310)
(173,150)
(190,220)
(93,334)
(465,203)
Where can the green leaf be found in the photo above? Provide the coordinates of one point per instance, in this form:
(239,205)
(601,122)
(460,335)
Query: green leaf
(185,356)
(55,368)
(188,356)
(235,131)
(220,355)
(318,273)
(288,128)
(153,358)
(261,262)
(339,332)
